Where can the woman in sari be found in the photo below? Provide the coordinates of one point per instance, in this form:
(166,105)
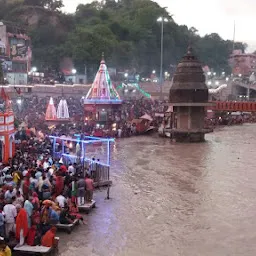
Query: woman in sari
(21,225)
(59,186)
(25,187)
(35,201)
(73,211)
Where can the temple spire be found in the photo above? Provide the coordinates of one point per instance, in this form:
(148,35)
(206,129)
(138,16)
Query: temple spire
(62,110)
(190,50)
(102,58)
(51,113)
(102,88)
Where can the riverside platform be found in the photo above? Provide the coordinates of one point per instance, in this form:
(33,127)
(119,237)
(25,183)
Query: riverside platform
(67,227)
(36,250)
(87,207)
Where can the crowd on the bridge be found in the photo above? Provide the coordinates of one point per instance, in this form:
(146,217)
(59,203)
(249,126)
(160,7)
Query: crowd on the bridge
(37,192)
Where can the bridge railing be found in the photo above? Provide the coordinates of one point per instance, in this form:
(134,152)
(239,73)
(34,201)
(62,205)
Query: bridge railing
(233,106)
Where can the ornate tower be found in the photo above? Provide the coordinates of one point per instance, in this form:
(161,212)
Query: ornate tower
(188,98)
(102,88)
(102,99)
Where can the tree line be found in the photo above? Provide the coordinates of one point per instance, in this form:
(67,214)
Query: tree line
(127,32)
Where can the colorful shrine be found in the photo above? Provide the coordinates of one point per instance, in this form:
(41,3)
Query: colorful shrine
(102,99)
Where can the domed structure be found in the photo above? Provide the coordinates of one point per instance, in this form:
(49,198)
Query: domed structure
(188,101)
(189,81)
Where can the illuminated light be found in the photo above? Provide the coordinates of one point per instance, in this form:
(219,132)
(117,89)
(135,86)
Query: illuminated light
(217,83)
(209,73)
(70,145)
(223,73)
(73,71)
(240,75)
(134,90)
(34,69)
(51,113)
(209,82)
(102,90)
(153,72)
(19,101)
(227,78)
(126,75)
(62,110)
(161,19)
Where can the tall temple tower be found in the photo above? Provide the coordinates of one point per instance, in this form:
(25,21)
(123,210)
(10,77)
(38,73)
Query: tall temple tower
(102,98)
(188,100)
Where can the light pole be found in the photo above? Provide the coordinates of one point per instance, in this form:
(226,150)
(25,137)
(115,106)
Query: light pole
(162,20)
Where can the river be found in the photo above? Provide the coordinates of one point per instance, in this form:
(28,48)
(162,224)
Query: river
(175,199)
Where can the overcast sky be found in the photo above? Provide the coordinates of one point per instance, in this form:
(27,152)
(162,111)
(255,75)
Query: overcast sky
(208,16)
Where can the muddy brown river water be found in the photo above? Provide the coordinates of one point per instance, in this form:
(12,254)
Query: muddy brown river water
(175,199)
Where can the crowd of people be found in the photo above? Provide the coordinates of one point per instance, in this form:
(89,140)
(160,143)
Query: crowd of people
(31,111)
(38,192)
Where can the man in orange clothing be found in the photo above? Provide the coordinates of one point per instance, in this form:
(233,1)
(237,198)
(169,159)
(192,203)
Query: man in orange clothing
(48,239)
(21,224)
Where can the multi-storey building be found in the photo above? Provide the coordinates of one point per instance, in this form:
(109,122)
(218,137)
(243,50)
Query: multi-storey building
(15,53)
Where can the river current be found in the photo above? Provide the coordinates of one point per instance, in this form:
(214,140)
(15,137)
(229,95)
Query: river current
(175,199)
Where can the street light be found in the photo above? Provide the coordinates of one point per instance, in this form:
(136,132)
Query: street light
(162,20)
(73,71)
(34,69)
(153,72)
(126,75)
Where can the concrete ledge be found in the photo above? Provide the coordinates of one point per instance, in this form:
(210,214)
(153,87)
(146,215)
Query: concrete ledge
(87,207)
(67,227)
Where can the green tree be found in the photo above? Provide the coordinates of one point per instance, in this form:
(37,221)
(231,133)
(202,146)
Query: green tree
(53,5)
(126,30)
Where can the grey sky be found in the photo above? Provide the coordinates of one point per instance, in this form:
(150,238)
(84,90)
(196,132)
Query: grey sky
(208,16)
